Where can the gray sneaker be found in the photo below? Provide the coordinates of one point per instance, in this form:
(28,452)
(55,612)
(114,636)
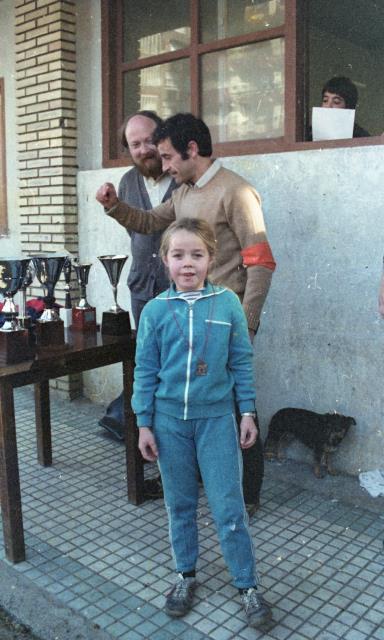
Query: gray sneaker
(256,609)
(179,599)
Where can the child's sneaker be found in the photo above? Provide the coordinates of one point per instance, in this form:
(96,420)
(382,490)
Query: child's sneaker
(256,609)
(179,599)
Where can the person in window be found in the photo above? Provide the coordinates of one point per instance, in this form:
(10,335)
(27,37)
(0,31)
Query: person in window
(244,261)
(341,93)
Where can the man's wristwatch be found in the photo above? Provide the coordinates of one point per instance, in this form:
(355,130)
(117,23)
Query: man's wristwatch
(251,414)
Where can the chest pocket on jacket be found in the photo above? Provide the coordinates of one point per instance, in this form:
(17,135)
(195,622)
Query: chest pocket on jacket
(218,331)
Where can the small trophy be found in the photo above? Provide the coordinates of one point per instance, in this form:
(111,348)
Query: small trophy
(66,311)
(24,318)
(116,321)
(83,315)
(14,339)
(49,327)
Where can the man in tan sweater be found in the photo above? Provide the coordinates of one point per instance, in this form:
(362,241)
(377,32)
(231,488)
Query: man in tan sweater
(244,260)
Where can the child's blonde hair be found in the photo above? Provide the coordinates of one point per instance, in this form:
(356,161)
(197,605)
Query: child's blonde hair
(199,227)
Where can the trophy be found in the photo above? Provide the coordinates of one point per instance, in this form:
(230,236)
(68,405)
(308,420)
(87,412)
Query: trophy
(115,321)
(83,315)
(14,339)
(66,311)
(49,327)
(24,318)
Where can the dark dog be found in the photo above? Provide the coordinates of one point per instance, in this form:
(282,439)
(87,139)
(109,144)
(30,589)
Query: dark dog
(320,432)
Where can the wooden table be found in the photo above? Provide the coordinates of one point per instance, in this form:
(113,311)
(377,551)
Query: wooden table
(81,353)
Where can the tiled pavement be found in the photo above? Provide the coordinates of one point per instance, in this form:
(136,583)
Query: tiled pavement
(320,559)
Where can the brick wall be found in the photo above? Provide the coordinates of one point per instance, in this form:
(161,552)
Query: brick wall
(47,138)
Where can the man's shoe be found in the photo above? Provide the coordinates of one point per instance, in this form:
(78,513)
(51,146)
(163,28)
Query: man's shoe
(113,426)
(153,488)
(179,599)
(256,609)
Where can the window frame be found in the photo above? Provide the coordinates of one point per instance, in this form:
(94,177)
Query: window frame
(295,69)
(3,168)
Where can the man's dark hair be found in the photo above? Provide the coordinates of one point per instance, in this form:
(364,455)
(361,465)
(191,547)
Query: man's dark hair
(343,87)
(182,129)
(152,115)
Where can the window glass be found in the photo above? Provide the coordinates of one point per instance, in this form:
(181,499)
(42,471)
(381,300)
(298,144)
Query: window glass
(152,27)
(346,39)
(164,88)
(243,91)
(226,18)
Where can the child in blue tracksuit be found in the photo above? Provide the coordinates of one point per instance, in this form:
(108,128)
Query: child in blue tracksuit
(193,361)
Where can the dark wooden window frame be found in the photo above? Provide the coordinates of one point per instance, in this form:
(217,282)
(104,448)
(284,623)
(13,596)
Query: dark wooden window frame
(296,68)
(3,170)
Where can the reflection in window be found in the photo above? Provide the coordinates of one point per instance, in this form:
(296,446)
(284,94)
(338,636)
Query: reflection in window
(243,91)
(151,28)
(226,18)
(164,88)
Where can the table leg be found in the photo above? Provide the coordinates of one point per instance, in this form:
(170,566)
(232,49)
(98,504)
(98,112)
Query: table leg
(43,423)
(135,467)
(9,479)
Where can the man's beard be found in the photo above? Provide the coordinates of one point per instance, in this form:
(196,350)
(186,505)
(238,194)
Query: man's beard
(151,169)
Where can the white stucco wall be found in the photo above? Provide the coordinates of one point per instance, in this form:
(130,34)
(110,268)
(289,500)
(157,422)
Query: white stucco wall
(321,339)
(9,244)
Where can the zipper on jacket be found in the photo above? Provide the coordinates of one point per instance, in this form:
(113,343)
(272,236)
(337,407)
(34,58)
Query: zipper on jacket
(190,349)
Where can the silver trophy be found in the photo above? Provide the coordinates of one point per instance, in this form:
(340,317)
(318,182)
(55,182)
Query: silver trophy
(24,319)
(49,327)
(83,315)
(115,321)
(14,340)
(48,269)
(67,270)
(12,274)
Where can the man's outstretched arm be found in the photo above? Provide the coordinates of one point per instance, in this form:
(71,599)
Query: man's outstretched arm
(131,218)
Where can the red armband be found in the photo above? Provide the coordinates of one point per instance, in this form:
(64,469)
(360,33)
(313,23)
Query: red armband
(258,254)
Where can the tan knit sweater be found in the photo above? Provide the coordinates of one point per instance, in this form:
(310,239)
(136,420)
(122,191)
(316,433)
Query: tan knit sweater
(232,207)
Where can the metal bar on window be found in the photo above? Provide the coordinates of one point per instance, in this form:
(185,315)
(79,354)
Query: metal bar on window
(3,171)
(294,70)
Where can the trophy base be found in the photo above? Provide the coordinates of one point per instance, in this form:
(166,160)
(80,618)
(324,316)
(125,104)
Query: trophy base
(116,324)
(84,319)
(49,333)
(14,347)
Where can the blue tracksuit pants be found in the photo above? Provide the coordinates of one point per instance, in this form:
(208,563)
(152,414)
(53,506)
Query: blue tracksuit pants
(211,445)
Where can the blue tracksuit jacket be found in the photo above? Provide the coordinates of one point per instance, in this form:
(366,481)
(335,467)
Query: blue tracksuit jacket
(173,336)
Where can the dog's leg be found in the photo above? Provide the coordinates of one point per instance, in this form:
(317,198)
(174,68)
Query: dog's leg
(271,445)
(319,468)
(284,441)
(330,468)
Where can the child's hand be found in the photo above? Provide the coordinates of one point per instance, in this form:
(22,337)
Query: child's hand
(147,444)
(248,432)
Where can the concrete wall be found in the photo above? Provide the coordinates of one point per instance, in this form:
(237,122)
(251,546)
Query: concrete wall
(10,244)
(321,340)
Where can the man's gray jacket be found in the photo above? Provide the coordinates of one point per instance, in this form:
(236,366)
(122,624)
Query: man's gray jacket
(147,277)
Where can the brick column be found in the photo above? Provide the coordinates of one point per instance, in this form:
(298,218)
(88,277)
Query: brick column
(47,138)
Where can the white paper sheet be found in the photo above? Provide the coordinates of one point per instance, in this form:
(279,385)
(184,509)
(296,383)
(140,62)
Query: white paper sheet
(332,124)
(373,482)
